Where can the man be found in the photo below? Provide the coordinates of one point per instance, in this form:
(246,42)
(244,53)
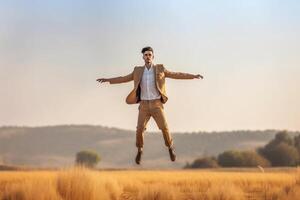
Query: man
(149,91)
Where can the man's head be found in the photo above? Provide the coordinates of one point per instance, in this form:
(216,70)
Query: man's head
(148,55)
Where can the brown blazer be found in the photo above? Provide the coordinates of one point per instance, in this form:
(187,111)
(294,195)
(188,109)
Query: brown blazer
(160,74)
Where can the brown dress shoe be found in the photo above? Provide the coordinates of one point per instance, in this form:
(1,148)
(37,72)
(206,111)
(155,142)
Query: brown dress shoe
(172,154)
(138,157)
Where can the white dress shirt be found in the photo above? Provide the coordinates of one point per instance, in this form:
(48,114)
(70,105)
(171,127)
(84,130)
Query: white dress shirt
(148,85)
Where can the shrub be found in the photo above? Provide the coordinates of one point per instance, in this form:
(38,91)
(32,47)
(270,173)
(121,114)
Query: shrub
(281,155)
(87,158)
(241,159)
(205,162)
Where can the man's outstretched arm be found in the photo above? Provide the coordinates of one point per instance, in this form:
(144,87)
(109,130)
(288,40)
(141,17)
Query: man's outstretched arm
(115,80)
(181,75)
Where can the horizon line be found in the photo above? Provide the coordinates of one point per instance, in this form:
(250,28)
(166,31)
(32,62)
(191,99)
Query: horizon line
(124,129)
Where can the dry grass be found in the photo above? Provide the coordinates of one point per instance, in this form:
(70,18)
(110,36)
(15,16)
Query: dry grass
(83,184)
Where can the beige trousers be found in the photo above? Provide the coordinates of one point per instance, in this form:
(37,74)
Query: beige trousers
(154,108)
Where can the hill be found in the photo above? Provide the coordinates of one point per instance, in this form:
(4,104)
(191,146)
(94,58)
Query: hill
(56,146)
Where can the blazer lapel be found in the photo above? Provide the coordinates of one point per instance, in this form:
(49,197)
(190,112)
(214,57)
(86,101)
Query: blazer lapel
(155,72)
(140,74)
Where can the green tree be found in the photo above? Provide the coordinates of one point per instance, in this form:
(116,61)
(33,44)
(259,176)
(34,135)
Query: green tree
(230,158)
(205,162)
(241,159)
(297,142)
(87,158)
(253,159)
(282,155)
(280,137)
(284,137)
(282,150)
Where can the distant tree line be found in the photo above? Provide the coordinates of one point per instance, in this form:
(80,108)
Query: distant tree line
(283,150)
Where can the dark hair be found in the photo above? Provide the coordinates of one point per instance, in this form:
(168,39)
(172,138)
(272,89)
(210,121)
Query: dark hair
(147,49)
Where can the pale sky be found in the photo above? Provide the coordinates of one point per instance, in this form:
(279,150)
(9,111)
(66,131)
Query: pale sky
(52,52)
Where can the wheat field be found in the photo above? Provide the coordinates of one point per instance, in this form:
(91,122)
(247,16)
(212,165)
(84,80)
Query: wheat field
(78,183)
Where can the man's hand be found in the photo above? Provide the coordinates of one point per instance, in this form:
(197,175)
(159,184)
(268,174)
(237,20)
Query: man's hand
(102,80)
(199,76)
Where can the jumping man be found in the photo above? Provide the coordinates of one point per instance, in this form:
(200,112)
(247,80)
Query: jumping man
(149,91)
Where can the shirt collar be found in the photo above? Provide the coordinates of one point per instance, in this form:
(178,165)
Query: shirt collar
(150,67)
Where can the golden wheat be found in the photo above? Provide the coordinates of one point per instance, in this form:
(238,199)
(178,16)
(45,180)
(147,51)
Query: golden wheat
(83,184)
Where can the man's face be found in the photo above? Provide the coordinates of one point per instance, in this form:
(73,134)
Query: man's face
(148,56)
